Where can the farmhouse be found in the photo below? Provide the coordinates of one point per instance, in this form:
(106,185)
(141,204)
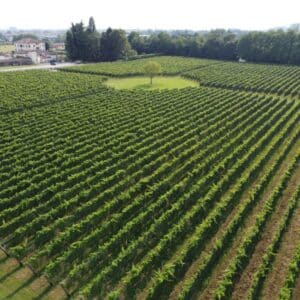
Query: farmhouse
(29,45)
(31,48)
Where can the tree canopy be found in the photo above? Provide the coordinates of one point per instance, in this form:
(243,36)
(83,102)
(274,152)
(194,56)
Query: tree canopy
(114,45)
(272,47)
(83,43)
(275,46)
(24,36)
(151,69)
(88,45)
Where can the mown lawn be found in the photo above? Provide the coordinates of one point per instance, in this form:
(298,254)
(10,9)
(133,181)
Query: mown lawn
(159,82)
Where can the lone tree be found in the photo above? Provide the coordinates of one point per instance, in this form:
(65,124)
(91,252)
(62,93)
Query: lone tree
(152,68)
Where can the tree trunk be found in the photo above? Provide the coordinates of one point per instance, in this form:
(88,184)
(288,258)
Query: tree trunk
(151,80)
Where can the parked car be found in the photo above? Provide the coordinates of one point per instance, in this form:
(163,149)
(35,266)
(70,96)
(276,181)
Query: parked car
(52,62)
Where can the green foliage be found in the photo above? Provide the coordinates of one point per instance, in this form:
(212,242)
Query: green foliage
(47,43)
(162,82)
(152,68)
(92,26)
(283,80)
(243,254)
(83,44)
(250,77)
(272,46)
(114,45)
(286,291)
(170,65)
(196,281)
(137,42)
(268,257)
(24,36)
(86,44)
(49,87)
(115,193)
(163,43)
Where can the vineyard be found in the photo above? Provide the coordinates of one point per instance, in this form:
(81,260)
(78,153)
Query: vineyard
(170,66)
(189,193)
(284,80)
(22,90)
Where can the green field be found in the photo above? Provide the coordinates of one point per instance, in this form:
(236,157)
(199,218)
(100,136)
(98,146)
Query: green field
(130,193)
(159,82)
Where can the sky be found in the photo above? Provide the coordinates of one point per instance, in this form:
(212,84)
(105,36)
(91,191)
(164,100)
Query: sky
(150,14)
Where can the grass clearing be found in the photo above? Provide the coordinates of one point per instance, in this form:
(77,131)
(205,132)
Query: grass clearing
(18,283)
(160,82)
(6,48)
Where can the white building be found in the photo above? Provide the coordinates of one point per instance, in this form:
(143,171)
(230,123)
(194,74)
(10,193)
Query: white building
(33,55)
(29,45)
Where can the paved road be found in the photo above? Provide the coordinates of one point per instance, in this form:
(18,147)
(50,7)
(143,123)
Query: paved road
(38,67)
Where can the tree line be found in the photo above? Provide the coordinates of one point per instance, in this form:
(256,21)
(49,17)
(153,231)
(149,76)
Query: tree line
(276,46)
(272,47)
(86,43)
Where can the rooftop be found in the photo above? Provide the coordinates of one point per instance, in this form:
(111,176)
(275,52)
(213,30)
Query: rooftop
(28,41)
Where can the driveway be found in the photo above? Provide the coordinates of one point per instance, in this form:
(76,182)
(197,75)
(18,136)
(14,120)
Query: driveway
(37,67)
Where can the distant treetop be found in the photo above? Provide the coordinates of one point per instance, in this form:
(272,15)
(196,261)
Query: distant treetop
(24,36)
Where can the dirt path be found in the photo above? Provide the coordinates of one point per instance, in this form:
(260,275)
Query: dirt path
(37,67)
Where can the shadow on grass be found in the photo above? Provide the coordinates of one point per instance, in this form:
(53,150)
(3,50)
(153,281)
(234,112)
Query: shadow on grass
(43,293)
(3,259)
(143,86)
(14,270)
(22,286)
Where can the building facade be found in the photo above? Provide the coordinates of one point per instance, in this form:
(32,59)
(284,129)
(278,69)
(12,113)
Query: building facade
(29,45)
